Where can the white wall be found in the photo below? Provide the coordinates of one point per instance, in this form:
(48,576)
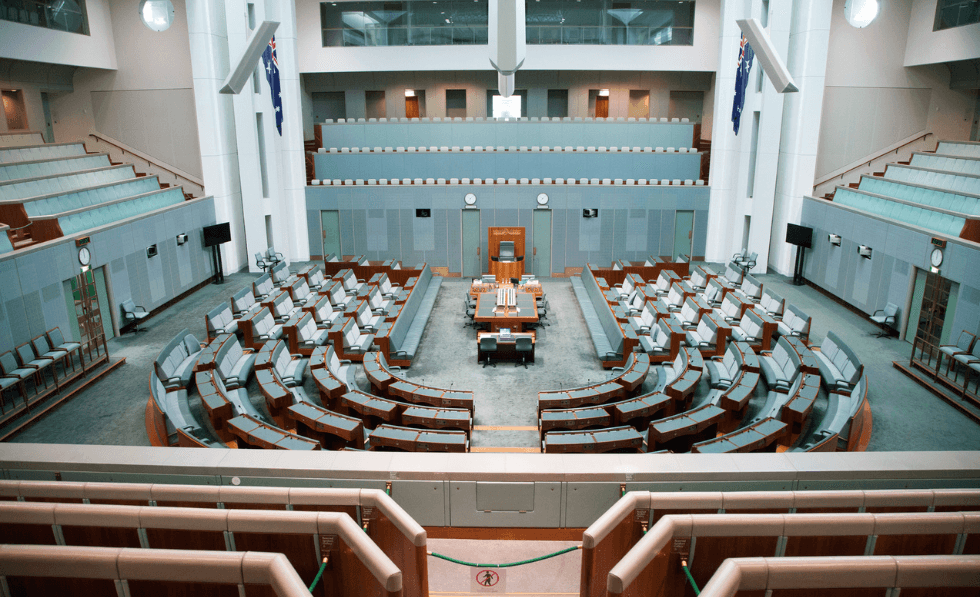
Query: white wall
(33,78)
(314,58)
(872,100)
(148,102)
(39,44)
(925,46)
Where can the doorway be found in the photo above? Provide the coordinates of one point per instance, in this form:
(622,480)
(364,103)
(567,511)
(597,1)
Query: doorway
(541,229)
(330,232)
(329,106)
(683,233)
(686,104)
(932,308)
(456,103)
(599,103)
(639,103)
(412,107)
(48,121)
(472,264)
(87,298)
(374,104)
(14,109)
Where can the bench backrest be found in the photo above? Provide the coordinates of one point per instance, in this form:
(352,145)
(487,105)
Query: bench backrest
(399,329)
(363,314)
(350,331)
(282,304)
(733,274)
(708,330)
(299,289)
(262,321)
(337,292)
(797,320)
(609,325)
(772,303)
(280,358)
(731,306)
(842,357)
(322,309)
(316,277)
(675,296)
(263,285)
(228,355)
(243,299)
(305,327)
(280,273)
(689,311)
(751,287)
(751,324)
(375,299)
(786,358)
(175,352)
(713,290)
(219,318)
(348,278)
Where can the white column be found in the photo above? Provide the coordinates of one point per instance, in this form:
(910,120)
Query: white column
(289,204)
(208,35)
(807,62)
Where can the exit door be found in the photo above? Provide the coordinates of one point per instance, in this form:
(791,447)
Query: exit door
(472,265)
(541,229)
(935,308)
(683,233)
(48,121)
(330,230)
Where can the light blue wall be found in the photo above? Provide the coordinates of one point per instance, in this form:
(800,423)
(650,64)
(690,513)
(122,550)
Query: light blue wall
(634,221)
(896,251)
(32,298)
(505,134)
(454,164)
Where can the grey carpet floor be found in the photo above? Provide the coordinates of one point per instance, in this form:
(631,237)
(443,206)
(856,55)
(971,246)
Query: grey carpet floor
(906,417)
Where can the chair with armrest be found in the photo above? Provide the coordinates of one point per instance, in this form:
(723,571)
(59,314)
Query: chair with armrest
(470,312)
(43,350)
(968,359)
(262,262)
(523,346)
(273,256)
(57,341)
(964,343)
(133,313)
(30,360)
(11,369)
(885,318)
(488,345)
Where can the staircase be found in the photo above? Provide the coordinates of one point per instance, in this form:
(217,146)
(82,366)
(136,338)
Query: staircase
(145,165)
(826,186)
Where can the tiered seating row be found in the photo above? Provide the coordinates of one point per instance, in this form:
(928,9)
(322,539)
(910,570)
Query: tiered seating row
(62,202)
(51,167)
(71,222)
(934,178)
(949,163)
(939,221)
(509,164)
(21,139)
(926,196)
(968,149)
(508,181)
(62,183)
(41,152)
(524,131)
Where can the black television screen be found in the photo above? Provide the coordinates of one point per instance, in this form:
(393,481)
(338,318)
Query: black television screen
(799,235)
(217,234)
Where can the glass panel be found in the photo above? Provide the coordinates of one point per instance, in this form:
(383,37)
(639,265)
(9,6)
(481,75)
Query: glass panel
(63,15)
(956,13)
(464,22)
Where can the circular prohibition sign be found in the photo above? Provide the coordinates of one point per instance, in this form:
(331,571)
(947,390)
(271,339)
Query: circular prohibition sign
(487,578)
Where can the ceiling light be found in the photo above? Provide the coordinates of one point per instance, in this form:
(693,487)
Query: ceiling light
(603,93)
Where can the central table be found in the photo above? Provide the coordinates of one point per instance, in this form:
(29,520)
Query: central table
(526,312)
(506,349)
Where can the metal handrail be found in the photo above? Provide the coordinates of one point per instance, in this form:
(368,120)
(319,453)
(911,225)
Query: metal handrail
(867,162)
(176,172)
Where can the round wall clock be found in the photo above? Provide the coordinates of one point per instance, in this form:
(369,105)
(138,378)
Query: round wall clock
(936,259)
(470,199)
(543,199)
(84,256)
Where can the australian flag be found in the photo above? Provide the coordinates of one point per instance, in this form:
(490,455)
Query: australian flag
(272,76)
(745,56)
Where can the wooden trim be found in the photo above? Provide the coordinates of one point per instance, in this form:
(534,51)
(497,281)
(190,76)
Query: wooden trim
(504,533)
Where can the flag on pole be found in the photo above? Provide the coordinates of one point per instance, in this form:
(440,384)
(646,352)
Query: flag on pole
(745,56)
(272,76)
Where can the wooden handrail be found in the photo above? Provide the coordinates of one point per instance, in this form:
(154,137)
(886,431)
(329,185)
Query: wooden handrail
(177,172)
(865,163)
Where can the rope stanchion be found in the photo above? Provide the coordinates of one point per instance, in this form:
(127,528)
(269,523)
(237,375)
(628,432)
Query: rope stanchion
(323,567)
(690,578)
(509,565)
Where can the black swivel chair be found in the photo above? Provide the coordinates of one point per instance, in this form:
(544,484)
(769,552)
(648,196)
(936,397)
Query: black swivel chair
(523,346)
(515,281)
(470,311)
(488,344)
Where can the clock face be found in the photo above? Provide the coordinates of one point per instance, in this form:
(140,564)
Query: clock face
(470,199)
(543,199)
(937,257)
(84,256)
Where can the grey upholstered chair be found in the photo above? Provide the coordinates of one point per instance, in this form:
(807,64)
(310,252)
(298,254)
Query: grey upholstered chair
(886,318)
(488,345)
(523,346)
(134,313)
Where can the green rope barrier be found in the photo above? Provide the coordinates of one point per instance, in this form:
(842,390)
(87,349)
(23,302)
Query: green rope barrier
(521,563)
(690,578)
(323,567)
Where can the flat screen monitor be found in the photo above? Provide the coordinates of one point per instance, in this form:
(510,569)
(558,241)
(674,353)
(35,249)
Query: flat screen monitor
(799,235)
(217,234)
(506,250)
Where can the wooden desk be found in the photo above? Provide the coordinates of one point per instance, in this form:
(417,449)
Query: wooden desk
(506,349)
(505,270)
(418,440)
(255,434)
(477,289)
(620,439)
(769,327)
(333,431)
(486,303)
